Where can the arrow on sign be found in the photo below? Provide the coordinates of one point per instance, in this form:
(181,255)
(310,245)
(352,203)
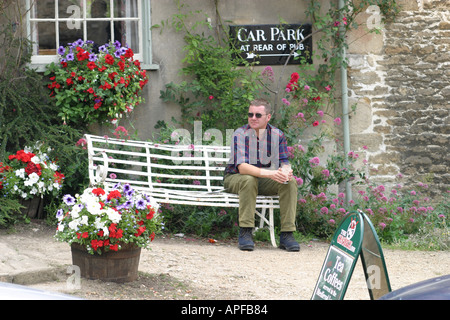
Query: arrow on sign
(252,55)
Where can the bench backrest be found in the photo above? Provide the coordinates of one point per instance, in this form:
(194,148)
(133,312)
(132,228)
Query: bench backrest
(148,166)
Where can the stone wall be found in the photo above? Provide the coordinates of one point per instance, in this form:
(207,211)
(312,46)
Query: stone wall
(399,80)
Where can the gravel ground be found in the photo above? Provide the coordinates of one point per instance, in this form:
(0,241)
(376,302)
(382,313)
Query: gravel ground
(195,269)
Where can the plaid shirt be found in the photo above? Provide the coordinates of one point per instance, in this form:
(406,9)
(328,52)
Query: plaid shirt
(246,147)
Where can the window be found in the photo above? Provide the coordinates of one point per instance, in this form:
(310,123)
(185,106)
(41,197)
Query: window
(55,23)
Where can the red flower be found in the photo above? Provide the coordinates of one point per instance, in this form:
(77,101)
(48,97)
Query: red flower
(152,236)
(98,192)
(33,168)
(91,65)
(294,77)
(315,123)
(151,213)
(140,231)
(114,194)
(59,176)
(85,235)
(109,59)
(121,65)
(114,247)
(316,98)
(90,90)
(22,156)
(69,81)
(129,53)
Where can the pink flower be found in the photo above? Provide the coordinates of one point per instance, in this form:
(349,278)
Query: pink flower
(337,121)
(299,182)
(314,161)
(320,113)
(326,173)
(211,97)
(306,87)
(328,88)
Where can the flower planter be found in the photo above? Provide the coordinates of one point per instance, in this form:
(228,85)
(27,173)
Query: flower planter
(33,207)
(115,266)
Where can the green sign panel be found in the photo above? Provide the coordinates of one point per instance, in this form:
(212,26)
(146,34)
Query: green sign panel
(354,237)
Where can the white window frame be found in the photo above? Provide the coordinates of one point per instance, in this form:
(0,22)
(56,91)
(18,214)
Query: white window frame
(39,62)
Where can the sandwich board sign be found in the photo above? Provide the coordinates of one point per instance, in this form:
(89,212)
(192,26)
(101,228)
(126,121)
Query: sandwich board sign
(354,237)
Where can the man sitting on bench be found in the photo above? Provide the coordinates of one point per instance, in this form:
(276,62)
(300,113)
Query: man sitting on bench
(259,165)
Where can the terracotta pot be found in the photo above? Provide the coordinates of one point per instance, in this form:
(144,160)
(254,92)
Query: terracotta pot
(115,266)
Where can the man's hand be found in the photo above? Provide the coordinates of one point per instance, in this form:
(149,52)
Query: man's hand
(279,175)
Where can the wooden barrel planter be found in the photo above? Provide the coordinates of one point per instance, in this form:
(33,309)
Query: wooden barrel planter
(33,208)
(115,266)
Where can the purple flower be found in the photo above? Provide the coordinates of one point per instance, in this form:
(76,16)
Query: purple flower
(61,50)
(79,42)
(117,44)
(103,48)
(117,53)
(69,200)
(59,214)
(93,57)
(70,57)
(140,204)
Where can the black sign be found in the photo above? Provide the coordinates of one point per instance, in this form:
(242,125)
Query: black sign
(273,44)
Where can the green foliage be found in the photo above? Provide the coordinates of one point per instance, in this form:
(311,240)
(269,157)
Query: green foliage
(27,115)
(218,90)
(9,212)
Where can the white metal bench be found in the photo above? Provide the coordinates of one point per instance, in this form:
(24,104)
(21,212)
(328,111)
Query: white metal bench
(176,174)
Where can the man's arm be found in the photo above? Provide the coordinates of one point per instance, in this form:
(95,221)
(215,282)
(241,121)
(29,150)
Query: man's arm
(276,175)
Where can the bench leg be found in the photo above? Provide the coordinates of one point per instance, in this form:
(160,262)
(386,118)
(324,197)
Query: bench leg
(271,228)
(269,222)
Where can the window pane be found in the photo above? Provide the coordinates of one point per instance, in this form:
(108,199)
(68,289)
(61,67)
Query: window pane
(125,8)
(69,33)
(43,9)
(129,34)
(70,9)
(98,9)
(99,32)
(44,37)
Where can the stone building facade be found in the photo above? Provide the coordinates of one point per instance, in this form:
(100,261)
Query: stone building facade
(399,80)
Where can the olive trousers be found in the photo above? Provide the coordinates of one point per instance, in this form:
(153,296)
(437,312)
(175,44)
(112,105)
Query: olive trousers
(248,187)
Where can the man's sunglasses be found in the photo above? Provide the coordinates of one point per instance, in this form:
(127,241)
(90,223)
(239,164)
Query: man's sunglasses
(257,115)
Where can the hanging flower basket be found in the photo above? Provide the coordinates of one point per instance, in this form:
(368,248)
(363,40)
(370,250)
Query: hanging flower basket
(93,86)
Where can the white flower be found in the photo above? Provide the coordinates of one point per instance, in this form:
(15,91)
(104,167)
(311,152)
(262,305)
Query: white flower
(53,166)
(113,215)
(60,227)
(84,220)
(94,207)
(20,173)
(74,224)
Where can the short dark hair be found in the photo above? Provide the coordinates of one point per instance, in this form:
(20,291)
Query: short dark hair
(262,102)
